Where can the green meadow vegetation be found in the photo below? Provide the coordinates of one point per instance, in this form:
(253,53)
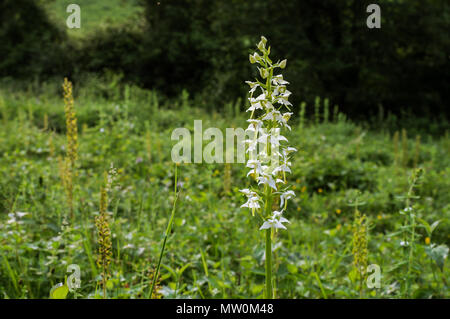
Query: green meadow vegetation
(211,249)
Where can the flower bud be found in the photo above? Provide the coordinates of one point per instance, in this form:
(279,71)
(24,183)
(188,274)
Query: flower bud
(262,45)
(283,64)
(287,116)
(263,40)
(264,73)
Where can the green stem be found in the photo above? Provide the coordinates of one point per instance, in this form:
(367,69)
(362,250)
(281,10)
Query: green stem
(167,233)
(361,278)
(411,251)
(269,290)
(104,281)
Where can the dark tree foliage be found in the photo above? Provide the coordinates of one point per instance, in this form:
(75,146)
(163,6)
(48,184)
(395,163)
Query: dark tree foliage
(203,46)
(30,44)
(113,49)
(330,50)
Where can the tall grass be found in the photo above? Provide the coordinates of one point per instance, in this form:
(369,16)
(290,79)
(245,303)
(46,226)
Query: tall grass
(166,235)
(213,253)
(104,239)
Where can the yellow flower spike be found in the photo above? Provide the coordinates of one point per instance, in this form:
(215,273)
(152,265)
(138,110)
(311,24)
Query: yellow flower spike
(338,211)
(427,240)
(72,144)
(360,250)
(320,190)
(104,256)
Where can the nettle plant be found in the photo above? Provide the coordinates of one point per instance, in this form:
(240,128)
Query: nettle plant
(269,155)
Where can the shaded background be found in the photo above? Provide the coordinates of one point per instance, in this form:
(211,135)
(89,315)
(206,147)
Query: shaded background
(202,46)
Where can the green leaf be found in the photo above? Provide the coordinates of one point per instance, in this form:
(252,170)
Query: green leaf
(292,268)
(180,271)
(256,289)
(179,222)
(171,270)
(434,225)
(438,254)
(353,275)
(430,228)
(109,284)
(59,291)
(427,226)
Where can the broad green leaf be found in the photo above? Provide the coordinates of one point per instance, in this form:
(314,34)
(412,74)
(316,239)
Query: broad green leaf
(434,225)
(426,225)
(109,284)
(171,270)
(438,254)
(180,271)
(256,289)
(353,275)
(59,291)
(292,268)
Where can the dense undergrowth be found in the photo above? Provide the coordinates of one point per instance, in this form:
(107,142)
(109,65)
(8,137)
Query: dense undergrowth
(210,253)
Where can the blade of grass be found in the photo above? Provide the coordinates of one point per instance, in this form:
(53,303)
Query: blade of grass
(166,235)
(320,285)
(11,273)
